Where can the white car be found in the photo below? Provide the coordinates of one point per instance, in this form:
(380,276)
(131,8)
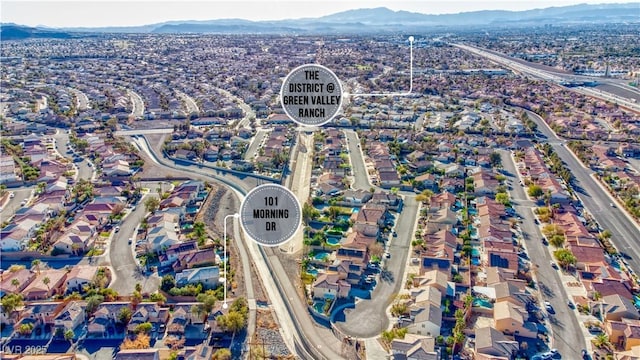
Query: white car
(12,195)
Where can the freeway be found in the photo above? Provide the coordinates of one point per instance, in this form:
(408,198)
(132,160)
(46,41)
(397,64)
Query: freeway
(625,232)
(536,71)
(566,331)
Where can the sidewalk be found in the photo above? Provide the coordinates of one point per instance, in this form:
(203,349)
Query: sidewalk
(374,350)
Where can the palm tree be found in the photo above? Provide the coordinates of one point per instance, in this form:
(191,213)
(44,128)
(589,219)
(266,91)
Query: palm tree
(16,283)
(36,264)
(46,282)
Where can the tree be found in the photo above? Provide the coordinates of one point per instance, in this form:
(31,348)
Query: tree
(142,341)
(602,341)
(557,241)
(46,282)
(168,282)
(69,335)
(222,354)
(124,315)
(495,159)
(208,300)
(15,283)
(10,302)
(503,198)
(145,327)
(152,204)
(36,264)
(535,191)
(333,211)
(309,213)
(92,303)
(425,196)
(232,322)
(376,249)
(565,257)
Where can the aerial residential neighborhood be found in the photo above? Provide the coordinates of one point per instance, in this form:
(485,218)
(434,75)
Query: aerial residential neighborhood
(476,195)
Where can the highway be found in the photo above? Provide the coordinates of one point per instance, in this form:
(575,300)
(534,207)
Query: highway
(566,333)
(531,69)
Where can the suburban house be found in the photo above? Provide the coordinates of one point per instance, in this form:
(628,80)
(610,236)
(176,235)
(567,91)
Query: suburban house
(208,276)
(492,344)
(329,285)
(70,318)
(414,347)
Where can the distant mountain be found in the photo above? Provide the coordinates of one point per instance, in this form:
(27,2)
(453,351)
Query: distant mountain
(17,32)
(365,21)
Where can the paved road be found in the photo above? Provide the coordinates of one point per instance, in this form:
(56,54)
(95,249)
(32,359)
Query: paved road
(248,111)
(361,178)
(143,132)
(82,101)
(62,140)
(121,255)
(369,317)
(255,144)
(625,233)
(137,104)
(567,334)
(300,183)
(12,205)
(537,71)
(189,103)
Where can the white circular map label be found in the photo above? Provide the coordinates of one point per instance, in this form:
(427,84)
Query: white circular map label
(270,214)
(311,95)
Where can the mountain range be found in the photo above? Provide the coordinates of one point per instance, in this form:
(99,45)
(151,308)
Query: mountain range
(375,20)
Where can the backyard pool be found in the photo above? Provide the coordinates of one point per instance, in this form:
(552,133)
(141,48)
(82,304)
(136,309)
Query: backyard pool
(482,303)
(322,256)
(312,271)
(333,240)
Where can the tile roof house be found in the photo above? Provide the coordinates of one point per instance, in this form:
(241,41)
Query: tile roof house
(414,346)
(512,319)
(138,354)
(79,276)
(38,290)
(23,277)
(425,318)
(329,285)
(208,276)
(102,324)
(616,307)
(70,318)
(492,344)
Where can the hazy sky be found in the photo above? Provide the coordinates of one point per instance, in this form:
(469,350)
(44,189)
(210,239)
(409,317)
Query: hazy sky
(123,13)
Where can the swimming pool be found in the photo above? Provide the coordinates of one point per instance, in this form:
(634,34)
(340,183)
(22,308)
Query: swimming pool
(312,271)
(482,303)
(333,240)
(322,255)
